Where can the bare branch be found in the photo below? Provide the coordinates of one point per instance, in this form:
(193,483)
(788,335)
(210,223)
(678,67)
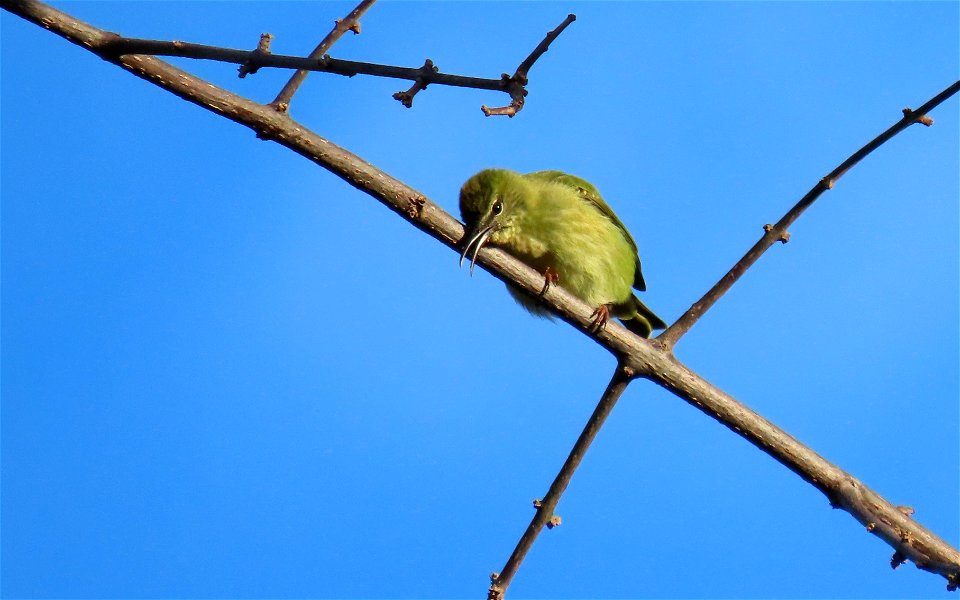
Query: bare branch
(114,46)
(516,86)
(778,232)
(349,23)
(636,356)
(544,517)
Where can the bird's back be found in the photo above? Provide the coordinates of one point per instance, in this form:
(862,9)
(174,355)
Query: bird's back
(588,193)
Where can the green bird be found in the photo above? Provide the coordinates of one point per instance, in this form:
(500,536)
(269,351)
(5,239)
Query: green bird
(561,226)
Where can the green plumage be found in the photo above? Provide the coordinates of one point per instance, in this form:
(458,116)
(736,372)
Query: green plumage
(560,225)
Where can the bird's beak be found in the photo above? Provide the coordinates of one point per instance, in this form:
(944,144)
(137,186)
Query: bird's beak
(475,240)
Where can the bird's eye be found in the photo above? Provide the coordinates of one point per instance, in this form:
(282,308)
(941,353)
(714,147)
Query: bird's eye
(497,207)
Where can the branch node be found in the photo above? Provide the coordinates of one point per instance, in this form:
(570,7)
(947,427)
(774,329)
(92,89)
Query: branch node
(906,510)
(870,526)
(537,503)
(953,582)
(354,26)
(251,66)
(784,236)
(421,83)
(827,183)
(555,521)
(415,206)
(264,44)
(922,119)
(897,559)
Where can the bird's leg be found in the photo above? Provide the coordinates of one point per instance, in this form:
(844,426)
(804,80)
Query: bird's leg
(549,278)
(600,318)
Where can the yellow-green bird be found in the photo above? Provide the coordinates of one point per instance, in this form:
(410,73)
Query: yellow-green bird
(560,225)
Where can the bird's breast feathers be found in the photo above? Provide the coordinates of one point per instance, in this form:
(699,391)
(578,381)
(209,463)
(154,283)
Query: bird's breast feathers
(557,228)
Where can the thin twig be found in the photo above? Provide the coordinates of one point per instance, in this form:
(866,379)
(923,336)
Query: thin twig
(499,582)
(907,537)
(779,233)
(117,46)
(516,86)
(250,62)
(349,23)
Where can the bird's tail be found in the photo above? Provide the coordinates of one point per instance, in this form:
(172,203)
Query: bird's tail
(645,321)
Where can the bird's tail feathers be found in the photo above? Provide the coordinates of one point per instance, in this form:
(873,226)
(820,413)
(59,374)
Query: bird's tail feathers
(645,321)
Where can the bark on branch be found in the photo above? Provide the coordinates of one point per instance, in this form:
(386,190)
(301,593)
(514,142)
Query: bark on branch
(636,357)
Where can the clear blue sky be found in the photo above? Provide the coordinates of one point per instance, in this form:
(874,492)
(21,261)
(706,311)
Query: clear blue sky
(226,373)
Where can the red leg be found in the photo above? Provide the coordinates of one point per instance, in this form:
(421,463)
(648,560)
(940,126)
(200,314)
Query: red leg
(549,278)
(600,317)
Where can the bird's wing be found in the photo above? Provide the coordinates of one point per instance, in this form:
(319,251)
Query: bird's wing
(589,193)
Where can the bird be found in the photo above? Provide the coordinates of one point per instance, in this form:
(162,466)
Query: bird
(561,226)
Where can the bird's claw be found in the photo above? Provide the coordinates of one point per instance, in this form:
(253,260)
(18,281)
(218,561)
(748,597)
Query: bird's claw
(549,278)
(600,317)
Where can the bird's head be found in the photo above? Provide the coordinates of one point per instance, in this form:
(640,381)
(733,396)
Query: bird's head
(489,202)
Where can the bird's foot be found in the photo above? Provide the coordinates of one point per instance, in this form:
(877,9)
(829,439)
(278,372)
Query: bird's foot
(550,277)
(600,318)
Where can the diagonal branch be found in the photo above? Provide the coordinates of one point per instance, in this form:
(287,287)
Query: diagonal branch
(544,517)
(909,539)
(778,232)
(349,23)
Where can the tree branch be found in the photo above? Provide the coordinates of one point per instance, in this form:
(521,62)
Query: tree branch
(637,357)
(251,61)
(349,23)
(778,232)
(499,582)
(516,86)
(118,46)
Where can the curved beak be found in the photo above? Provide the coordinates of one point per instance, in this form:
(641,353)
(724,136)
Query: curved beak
(475,240)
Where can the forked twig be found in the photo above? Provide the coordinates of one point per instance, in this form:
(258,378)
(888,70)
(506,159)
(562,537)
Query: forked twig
(516,85)
(779,233)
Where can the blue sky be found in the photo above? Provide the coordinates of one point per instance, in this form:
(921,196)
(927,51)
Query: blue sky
(226,373)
